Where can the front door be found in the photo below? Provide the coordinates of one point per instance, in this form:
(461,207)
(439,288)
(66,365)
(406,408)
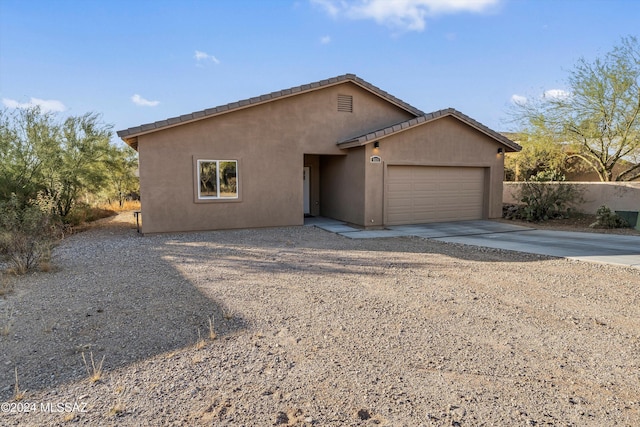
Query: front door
(305,190)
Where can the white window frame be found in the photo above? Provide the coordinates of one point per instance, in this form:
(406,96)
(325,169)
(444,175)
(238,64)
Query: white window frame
(217,196)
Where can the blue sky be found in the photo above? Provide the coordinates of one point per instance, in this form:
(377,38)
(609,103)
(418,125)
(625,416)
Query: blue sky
(138,61)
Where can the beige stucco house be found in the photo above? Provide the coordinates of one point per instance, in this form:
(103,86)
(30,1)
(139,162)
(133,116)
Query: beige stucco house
(340,148)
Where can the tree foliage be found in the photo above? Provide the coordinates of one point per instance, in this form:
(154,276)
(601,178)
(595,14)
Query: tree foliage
(538,154)
(122,163)
(29,139)
(60,160)
(599,118)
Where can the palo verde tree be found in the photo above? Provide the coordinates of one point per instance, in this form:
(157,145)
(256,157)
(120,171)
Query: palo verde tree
(122,163)
(60,160)
(29,139)
(538,154)
(598,120)
(80,165)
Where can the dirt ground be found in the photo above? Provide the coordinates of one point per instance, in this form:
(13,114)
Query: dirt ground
(312,328)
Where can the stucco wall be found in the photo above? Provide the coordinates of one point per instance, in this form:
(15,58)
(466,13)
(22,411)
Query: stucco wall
(444,142)
(269,141)
(617,196)
(342,186)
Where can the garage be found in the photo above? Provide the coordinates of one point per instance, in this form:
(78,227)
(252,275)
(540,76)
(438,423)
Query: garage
(418,194)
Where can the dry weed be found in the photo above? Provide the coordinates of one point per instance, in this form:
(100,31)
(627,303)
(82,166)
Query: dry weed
(212,332)
(47,328)
(201,343)
(5,330)
(95,372)
(6,285)
(171,354)
(118,407)
(18,394)
(128,205)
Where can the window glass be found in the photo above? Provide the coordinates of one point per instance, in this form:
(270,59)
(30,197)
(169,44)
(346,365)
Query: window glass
(208,179)
(217,179)
(228,179)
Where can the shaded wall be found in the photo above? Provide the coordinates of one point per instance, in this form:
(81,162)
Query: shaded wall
(312,161)
(342,186)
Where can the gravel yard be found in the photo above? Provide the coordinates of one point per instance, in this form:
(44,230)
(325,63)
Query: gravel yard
(316,329)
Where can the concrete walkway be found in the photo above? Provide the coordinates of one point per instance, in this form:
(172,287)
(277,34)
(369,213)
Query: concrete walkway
(592,247)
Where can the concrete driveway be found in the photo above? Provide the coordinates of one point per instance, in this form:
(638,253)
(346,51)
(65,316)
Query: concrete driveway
(593,247)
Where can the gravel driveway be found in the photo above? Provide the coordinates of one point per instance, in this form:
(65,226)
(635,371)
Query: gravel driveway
(313,328)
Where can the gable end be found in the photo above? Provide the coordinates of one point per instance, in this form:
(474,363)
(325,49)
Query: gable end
(130,135)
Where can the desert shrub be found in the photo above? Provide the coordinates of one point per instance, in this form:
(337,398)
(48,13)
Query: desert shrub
(544,198)
(605,218)
(511,211)
(27,232)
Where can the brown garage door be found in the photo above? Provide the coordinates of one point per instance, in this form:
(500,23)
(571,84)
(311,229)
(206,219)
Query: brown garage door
(417,194)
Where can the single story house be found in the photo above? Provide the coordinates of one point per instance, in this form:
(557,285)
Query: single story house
(340,148)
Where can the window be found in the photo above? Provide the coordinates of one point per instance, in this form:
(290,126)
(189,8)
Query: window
(217,179)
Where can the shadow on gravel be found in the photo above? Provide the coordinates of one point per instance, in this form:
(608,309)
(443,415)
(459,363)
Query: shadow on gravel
(258,250)
(112,296)
(127,298)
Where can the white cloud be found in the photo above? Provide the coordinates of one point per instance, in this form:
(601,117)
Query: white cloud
(518,99)
(556,93)
(325,39)
(46,105)
(408,15)
(204,56)
(138,100)
(332,7)
(548,94)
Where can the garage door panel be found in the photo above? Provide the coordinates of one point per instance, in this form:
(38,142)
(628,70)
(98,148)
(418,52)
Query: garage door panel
(430,194)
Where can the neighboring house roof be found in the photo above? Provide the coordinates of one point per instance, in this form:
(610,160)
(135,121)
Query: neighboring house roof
(423,119)
(130,136)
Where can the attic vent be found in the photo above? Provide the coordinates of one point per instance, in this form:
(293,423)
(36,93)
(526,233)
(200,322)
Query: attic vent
(345,103)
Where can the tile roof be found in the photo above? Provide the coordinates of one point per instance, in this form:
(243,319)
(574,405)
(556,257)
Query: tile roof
(426,118)
(130,135)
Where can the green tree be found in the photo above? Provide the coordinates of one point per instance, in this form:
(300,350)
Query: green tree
(28,139)
(80,163)
(539,154)
(62,160)
(122,164)
(599,118)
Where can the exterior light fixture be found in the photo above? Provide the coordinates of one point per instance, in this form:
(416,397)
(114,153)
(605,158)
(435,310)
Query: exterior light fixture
(376,144)
(500,150)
